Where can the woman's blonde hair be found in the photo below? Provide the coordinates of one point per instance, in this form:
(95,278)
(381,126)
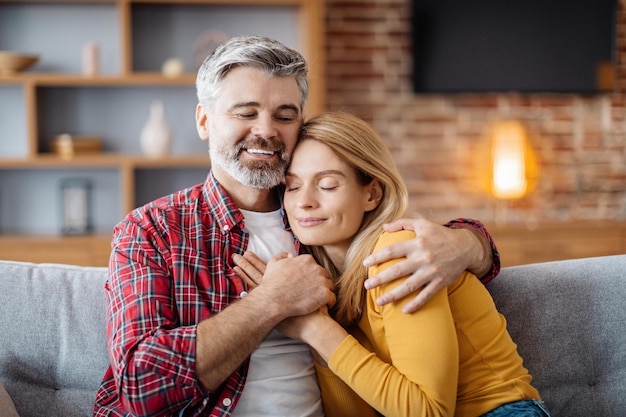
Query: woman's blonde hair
(357,144)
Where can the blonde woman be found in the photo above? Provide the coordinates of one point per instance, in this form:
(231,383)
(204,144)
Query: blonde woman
(452,357)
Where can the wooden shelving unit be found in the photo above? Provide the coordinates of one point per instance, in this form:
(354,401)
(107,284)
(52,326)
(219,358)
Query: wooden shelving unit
(41,89)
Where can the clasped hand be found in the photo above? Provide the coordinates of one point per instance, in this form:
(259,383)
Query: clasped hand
(296,283)
(256,274)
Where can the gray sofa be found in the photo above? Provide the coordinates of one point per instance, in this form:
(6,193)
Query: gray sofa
(568,318)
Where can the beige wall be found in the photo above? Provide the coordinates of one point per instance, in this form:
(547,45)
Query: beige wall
(580,141)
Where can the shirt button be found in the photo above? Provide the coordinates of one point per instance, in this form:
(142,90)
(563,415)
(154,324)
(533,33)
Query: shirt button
(227,402)
(225,228)
(243,294)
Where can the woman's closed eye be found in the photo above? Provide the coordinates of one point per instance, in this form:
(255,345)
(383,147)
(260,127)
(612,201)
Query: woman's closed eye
(291,185)
(292,188)
(324,182)
(328,184)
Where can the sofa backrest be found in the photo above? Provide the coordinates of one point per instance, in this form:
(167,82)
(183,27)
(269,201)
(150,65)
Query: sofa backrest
(569,321)
(53,337)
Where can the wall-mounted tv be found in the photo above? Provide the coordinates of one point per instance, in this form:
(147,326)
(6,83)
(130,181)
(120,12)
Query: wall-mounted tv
(558,46)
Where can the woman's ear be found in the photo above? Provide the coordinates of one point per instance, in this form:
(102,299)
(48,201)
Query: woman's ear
(375,191)
(202,122)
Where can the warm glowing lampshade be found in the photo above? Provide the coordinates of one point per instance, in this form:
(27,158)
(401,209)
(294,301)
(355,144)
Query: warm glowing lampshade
(511,160)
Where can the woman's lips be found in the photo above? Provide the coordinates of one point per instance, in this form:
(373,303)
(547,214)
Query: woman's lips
(310,221)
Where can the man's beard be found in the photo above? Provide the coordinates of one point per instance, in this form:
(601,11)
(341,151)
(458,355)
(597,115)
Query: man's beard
(256,174)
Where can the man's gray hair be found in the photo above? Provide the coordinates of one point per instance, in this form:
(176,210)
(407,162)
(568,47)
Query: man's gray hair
(258,52)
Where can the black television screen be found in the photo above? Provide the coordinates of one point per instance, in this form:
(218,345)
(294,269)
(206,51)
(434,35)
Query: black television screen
(511,45)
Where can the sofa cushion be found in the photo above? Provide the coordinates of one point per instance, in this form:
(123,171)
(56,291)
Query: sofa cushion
(53,347)
(569,320)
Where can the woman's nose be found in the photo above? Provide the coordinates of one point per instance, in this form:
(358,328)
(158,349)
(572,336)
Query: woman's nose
(306,199)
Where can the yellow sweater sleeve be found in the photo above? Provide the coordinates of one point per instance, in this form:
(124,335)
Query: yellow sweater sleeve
(338,399)
(413,369)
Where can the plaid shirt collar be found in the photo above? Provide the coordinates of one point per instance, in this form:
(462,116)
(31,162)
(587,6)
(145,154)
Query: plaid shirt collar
(224,209)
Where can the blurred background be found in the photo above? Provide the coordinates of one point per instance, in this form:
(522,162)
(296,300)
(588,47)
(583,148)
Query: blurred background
(514,115)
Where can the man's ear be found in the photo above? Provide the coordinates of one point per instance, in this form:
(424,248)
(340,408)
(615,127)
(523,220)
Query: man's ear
(375,191)
(202,120)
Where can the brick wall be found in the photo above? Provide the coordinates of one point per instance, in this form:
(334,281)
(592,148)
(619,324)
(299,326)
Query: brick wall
(580,141)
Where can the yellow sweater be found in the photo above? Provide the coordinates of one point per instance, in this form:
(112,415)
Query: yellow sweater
(453,356)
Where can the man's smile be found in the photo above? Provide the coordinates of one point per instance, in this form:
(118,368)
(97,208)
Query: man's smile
(260,151)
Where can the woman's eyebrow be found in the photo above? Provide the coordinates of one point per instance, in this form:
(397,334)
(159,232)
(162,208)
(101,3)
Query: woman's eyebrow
(319,174)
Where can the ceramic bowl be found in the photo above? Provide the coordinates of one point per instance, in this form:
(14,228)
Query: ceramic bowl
(12,62)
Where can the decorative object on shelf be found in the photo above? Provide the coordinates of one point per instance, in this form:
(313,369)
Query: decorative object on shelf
(206,43)
(67,146)
(513,168)
(172,68)
(76,206)
(156,137)
(91,59)
(14,62)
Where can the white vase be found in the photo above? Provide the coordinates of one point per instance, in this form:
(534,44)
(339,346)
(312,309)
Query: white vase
(156,137)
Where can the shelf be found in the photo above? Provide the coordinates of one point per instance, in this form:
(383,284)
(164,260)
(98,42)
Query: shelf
(49,161)
(84,250)
(78,80)
(64,1)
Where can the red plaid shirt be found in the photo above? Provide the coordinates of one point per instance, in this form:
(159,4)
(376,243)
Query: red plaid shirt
(170,268)
(479,227)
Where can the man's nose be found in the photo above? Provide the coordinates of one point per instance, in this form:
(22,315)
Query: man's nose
(265,127)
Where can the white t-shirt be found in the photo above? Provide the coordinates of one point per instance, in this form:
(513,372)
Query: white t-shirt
(281,378)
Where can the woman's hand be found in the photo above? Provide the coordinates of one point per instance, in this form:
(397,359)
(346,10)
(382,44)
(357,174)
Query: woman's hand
(320,331)
(251,268)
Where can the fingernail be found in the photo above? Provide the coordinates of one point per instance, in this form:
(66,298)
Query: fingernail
(366,263)
(367,285)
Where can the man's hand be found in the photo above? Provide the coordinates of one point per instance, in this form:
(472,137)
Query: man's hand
(298,283)
(434,259)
